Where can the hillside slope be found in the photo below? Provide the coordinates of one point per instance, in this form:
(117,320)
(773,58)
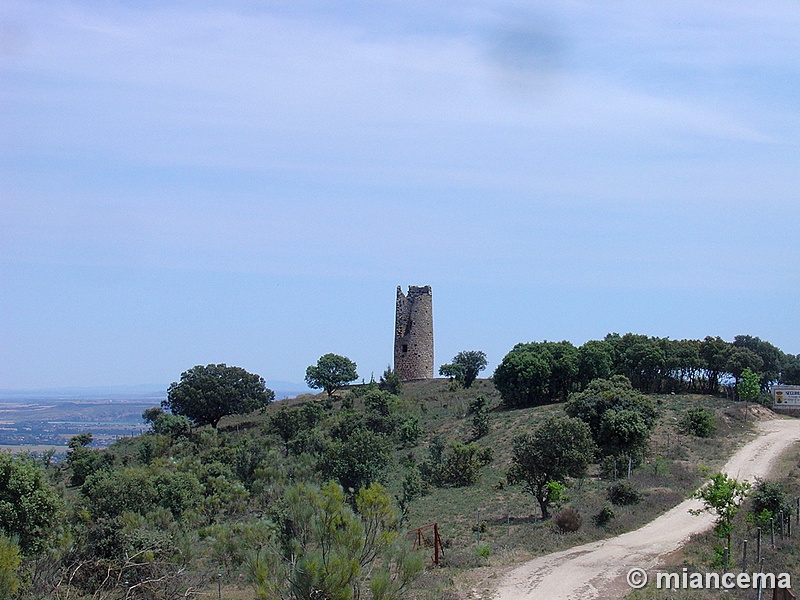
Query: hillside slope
(597,570)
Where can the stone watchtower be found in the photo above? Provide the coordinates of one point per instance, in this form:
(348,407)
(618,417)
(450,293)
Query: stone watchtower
(413,333)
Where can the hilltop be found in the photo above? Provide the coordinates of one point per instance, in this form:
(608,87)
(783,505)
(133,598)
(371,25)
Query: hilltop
(200,501)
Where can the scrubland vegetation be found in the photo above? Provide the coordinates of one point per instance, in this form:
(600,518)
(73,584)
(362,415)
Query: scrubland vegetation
(314,497)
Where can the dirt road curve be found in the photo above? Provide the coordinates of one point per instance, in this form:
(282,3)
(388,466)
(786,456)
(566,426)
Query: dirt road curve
(597,570)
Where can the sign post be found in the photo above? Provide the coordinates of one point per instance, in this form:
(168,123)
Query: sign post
(787,397)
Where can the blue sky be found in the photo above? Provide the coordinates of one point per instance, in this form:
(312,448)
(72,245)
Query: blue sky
(247,182)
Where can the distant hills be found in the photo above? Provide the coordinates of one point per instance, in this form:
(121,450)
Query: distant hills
(288,389)
(67,394)
(137,393)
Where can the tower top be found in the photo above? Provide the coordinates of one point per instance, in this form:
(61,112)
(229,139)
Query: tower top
(415,290)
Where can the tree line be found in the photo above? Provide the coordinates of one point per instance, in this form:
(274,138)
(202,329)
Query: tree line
(536,373)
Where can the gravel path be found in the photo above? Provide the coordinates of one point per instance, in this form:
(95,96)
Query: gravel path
(597,570)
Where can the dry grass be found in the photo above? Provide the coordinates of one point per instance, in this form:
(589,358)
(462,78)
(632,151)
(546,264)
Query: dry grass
(513,531)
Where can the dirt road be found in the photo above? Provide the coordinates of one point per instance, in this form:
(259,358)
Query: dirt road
(598,570)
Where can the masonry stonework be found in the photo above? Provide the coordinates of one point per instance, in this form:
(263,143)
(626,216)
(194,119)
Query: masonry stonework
(413,334)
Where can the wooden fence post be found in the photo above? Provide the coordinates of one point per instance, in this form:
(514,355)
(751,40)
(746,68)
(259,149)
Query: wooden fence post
(758,547)
(744,555)
(436,543)
(772,533)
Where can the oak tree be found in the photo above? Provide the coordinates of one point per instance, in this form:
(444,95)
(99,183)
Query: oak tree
(620,417)
(331,372)
(558,448)
(205,394)
(466,366)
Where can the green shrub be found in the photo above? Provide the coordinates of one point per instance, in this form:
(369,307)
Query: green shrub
(481,527)
(357,462)
(409,432)
(699,422)
(620,417)
(769,500)
(83,461)
(140,490)
(457,464)
(10,561)
(413,488)
(391,381)
(479,409)
(556,494)
(766,399)
(623,494)
(29,505)
(604,517)
(462,464)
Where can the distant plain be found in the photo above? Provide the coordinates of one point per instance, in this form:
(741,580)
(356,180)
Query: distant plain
(43,420)
(42,424)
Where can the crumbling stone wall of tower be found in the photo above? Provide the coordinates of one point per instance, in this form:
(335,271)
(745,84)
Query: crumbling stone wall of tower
(413,335)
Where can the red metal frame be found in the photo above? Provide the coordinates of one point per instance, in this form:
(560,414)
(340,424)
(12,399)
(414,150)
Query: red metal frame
(420,541)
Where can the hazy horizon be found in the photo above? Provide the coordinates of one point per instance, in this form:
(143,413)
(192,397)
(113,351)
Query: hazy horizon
(135,391)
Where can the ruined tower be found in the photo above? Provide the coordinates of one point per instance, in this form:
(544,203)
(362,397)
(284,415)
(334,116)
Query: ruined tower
(413,333)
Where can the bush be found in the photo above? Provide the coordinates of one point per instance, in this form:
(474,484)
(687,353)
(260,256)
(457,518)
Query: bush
(568,520)
(766,399)
(623,494)
(462,464)
(699,422)
(377,402)
(10,560)
(623,432)
(175,426)
(29,505)
(409,432)
(769,500)
(480,425)
(141,490)
(457,464)
(481,527)
(620,417)
(391,381)
(479,409)
(604,517)
(413,488)
(357,462)
(556,494)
